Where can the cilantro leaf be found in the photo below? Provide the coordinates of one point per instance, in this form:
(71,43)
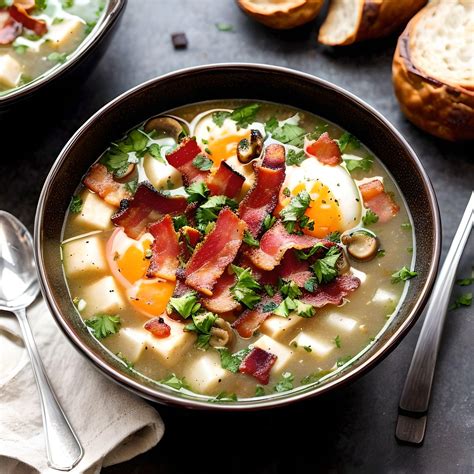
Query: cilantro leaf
(20,48)
(185,305)
(302,255)
(197,192)
(245,115)
(103,325)
(76,205)
(154,150)
(249,239)
(290,289)
(270,290)
(462,300)
(295,158)
(209,211)
(219,117)
(202,162)
(202,325)
(403,274)
(244,289)
(325,269)
(465,281)
(271,124)
(290,134)
(348,140)
(41,4)
(179,221)
(363,164)
(285,383)
(231,362)
(127,362)
(294,211)
(67,3)
(369,218)
(173,381)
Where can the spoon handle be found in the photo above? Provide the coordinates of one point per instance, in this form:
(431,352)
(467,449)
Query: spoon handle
(63,448)
(417,390)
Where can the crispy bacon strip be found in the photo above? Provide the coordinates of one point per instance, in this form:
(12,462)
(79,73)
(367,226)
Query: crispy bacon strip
(263,277)
(294,269)
(258,364)
(225,181)
(158,328)
(18,13)
(324,149)
(331,293)
(165,250)
(148,205)
(218,250)
(262,199)
(9,28)
(274,157)
(102,182)
(182,159)
(378,201)
(189,238)
(222,300)
(251,319)
(275,242)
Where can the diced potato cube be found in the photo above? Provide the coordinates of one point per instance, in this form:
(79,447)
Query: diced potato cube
(384,297)
(95,212)
(131,342)
(359,274)
(64,36)
(340,322)
(318,347)
(10,71)
(282,352)
(160,174)
(103,296)
(84,257)
(278,327)
(205,374)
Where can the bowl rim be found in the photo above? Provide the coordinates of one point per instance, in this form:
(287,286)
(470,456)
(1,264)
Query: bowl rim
(246,405)
(84,48)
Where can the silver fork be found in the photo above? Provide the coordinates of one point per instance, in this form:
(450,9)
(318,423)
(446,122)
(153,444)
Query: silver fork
(415,399)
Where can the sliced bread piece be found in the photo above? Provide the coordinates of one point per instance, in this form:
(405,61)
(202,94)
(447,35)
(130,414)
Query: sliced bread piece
(433,69)
(282,14)
(349,21)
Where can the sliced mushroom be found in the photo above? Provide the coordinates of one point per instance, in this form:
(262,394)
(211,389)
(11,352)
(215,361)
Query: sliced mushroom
(342,263)
(361,245)
(222,334)
(250,150)
(166,127)
(120,175)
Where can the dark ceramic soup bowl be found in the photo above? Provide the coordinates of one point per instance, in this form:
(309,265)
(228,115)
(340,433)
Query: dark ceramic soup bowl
(78,64)
(231,81)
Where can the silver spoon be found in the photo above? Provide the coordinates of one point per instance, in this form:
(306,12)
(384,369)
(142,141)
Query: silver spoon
(18,289)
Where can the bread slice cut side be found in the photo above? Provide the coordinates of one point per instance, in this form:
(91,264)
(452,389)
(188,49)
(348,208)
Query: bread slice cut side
(342,22)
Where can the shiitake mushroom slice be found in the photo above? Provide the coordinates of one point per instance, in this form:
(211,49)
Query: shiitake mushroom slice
(167,126)
(248,150)
(361,245)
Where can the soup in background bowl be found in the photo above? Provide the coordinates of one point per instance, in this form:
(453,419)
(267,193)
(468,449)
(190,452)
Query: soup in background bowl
(236,252)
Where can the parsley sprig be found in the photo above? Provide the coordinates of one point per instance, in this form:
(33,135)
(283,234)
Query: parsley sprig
(325,269)
(403,274)
(185,305)
(103,325)
(245,288)
(293,213)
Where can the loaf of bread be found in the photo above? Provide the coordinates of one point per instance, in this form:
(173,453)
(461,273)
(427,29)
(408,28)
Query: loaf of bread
(433,69)
(282,14)
(349,21)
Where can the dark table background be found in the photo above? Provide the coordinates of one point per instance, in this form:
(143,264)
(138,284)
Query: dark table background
(351,430)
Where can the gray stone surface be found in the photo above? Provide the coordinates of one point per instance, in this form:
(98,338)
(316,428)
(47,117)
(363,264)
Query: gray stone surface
(348,431)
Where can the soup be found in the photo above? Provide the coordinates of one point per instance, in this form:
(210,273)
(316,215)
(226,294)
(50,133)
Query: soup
(38,35)
(237,249)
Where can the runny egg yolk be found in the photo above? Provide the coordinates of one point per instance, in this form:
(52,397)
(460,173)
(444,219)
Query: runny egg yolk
(323,209)
(224,146)
(133,264)
(151,296)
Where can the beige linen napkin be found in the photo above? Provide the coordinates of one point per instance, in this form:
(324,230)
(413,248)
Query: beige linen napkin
(112,424)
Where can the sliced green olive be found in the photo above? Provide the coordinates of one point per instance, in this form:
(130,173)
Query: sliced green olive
(248,150)
(361,245)
(166,127)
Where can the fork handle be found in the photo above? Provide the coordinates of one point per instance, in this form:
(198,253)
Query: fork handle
(417,390)
(63,449)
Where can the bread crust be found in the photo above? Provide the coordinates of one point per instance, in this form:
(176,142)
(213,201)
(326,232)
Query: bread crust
(441,109)
(375,19)
(289,16)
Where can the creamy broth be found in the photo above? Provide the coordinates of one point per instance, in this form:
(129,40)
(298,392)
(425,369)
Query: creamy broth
(307,348)
(62,26)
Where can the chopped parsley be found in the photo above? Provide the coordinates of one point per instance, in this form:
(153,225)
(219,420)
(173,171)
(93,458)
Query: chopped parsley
(173,381)
(318,131)
(249,239)
(380,253)
(325,269)
(154,150)
(311,284)
(334,237)
(268,222)
(224,27)
(337,341)
(197,192)
(76,205)
(103,325)
(271,124)
(465,281)
(403,274)
(132,186)
(343,360)
(290,304)
(225,397)
(348,140)
(219,117)
(406,226)
(295,157)
(209,211)
(67,3)
(285,383)
(185,305)
(293,213)
(202,162)
(244,289)
(270,290)
(290,289)
(41,4)
(202,325)
(302,255)
(245,115)
(370,218)
(290,134)
(58,58)
(269,307)
(314,377)
(179,221)
(259,391)
(463,300)
(363,164)
(231,362)
(304,310)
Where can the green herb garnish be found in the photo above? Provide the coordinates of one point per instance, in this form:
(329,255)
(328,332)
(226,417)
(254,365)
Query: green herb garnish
(290,134)
(202,162)
(231,362)
(403,274)
(294,211)
(103,325)
(314,377)
(209,211)
(463,300)
(337,341)
(225,397)
(295,157)
(348,140)
(58,58)
(343,360)
(249,239)
(285,383)
(271,124)
(369,218)
(465,281)
(202,325)
(76,205)
(219,117)
(259,391)
(245,115)
(173,381)
(244,289)
(185,305)
(197,192)
(179,221)
(325,269)
(224,27)
(363,164)
(268,222)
